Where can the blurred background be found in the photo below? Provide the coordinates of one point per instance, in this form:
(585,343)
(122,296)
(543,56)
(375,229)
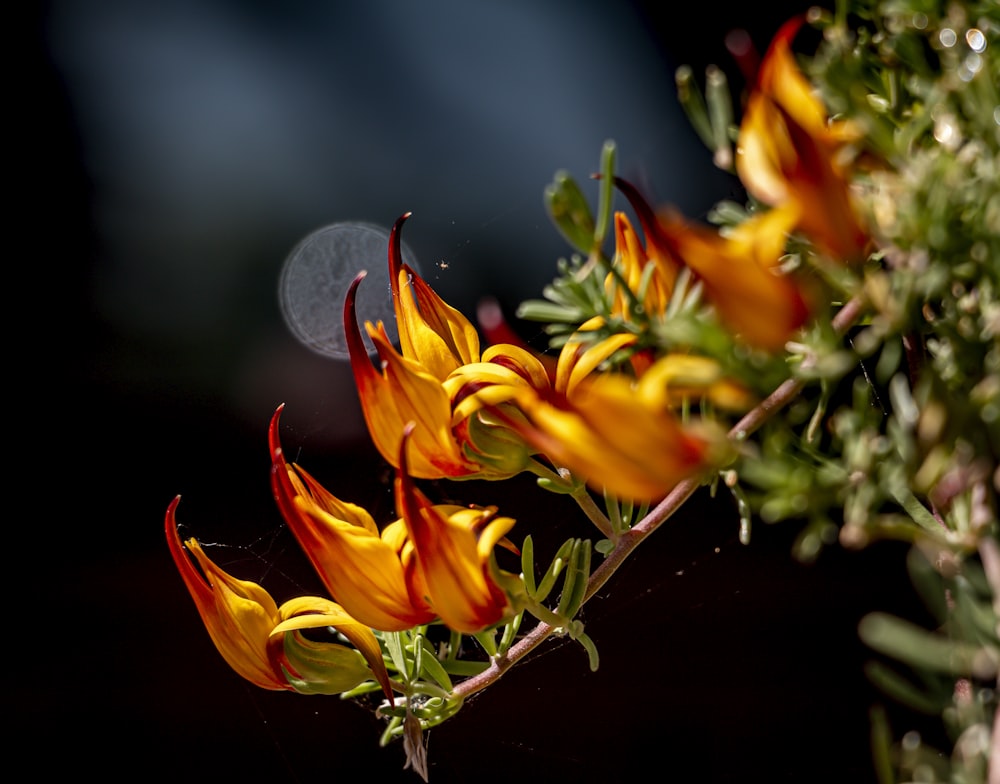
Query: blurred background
(179,152)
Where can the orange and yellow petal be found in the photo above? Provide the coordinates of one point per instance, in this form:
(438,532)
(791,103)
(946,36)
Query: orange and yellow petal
(739,270)
(605,435)
(239,615)
(741,275)
(454,549)
(674,378)
(362,571)
(431,332)
(401,392)
(788,153)
(632,259)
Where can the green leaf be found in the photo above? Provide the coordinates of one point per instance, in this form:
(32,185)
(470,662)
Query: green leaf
(693,103)
(549,578)
(570,212)
(432,666)
(394,644)
(606,194)
(528,564)
(902,690)
(922,649)
(591,649)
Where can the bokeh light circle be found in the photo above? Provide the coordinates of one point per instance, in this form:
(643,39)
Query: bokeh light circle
(317,274)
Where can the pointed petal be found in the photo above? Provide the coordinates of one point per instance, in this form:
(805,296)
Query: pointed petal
(238,615)
(361,571)
(403,391)
(788,152)
(740,273)
(578,360)
(632,260)
(431,332)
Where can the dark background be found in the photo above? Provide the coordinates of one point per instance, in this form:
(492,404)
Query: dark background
(177,152)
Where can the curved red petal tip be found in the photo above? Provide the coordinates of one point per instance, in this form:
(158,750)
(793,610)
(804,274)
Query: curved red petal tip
(396,252)
(787,32)
(491,320)
(281,485)
(741,49)
(784,37)
(355,345)
(170,523)
(200,589)
(272,433)
(647,219)
(403,471)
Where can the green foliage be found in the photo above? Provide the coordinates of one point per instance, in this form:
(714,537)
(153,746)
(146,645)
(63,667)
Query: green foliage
(895,432)
(872,413)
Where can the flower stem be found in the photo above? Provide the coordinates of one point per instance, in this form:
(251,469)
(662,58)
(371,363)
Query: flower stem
(594,514)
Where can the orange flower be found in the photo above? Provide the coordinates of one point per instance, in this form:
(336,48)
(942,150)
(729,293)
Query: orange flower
(435,561)
(632,258)
(435,340)
(610,430)
(403,391)
(740,273)
(739,269)
(259,640)
(454,549)
(373,575)
(431,332)
(613,438)
(788,153)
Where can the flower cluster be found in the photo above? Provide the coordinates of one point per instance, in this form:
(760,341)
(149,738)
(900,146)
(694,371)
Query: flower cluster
(614,412)
(492,415)
(668,353)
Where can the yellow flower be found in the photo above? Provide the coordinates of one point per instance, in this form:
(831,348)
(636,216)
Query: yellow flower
(788,153)
(609,430)
(374,576)
(260,640)
(454,549)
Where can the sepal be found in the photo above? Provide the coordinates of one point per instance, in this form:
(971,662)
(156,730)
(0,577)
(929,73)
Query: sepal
(322,668)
